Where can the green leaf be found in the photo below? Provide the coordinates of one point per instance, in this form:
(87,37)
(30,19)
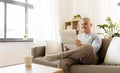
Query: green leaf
(78,15)
(110,29)
(108,18)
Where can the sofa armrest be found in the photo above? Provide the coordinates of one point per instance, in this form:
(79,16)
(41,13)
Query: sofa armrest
(38,51)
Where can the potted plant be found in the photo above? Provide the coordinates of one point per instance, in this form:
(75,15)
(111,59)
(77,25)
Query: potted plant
(78,16)
(25,37)
(110,29)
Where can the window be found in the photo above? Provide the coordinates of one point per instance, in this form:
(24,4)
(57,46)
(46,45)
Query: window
(1,20)
(14,22)
(20,0)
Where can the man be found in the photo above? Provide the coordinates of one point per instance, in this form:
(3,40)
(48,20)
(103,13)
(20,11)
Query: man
(88,44)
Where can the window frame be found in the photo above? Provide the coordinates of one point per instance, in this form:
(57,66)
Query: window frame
(26,5)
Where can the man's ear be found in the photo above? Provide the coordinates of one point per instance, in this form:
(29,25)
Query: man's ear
(91,24)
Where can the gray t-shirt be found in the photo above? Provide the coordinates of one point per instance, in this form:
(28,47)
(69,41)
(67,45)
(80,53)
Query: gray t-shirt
(91,38)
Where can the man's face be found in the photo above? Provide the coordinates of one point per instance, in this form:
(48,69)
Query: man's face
(86,26)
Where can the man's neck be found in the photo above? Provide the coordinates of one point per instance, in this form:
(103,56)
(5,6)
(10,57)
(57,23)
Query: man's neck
(87,32)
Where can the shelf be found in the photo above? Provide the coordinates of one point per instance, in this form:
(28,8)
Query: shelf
(72,25)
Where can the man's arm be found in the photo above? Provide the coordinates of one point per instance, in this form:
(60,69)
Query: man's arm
(96,42)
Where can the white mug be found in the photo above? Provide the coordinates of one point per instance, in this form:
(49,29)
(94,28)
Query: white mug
(28,60)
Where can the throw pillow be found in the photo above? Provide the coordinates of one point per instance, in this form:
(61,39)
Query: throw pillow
(53,47)
(113,52)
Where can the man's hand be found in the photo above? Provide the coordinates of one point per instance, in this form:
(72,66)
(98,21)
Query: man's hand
(65,48)
(79,43)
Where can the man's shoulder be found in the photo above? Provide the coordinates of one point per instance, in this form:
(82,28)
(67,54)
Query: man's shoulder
(91,34)
(94,34)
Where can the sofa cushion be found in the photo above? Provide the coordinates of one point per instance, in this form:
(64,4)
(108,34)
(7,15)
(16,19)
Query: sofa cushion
(113,52)
(102,52)
(53,47)
(95,69)
(42,61)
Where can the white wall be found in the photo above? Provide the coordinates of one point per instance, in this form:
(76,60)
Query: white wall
(14,52)
(83,7)
(98,10)
(88,8)
(65,11)
(95,14)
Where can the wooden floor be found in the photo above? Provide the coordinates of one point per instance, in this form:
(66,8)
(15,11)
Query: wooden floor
(35,68)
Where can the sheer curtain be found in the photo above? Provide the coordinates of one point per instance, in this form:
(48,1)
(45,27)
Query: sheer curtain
(46,20)
(104,8)
(109,8)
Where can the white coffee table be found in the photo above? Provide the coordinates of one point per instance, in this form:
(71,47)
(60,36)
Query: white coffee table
(35,68)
